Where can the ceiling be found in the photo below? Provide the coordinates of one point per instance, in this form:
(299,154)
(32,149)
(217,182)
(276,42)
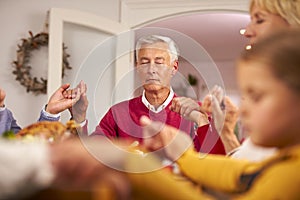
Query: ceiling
(218,32)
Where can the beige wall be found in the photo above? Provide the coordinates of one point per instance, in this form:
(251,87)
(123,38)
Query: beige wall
(17,17)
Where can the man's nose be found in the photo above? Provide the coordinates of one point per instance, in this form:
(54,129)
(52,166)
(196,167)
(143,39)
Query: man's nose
(152,68)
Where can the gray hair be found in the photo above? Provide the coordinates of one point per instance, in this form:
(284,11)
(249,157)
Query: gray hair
(152,39)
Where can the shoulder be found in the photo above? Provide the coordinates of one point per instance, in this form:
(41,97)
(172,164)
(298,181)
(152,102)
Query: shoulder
(6,112)
(248,150)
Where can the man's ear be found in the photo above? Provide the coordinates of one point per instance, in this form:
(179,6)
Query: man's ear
(175,67)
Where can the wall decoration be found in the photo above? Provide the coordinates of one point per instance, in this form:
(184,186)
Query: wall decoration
(22,68)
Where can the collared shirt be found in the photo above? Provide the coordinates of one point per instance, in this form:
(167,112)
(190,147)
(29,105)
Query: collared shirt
(2,108)
(162,106)
(47,114)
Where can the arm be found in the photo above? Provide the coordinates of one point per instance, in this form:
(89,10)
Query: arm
(107,126)
(208,171)
(79,107)
(224,117)
(190,110)
(58,102)
(274,178)
(46,116)
(7,121)
(216,172)
(225,121)
(209,140)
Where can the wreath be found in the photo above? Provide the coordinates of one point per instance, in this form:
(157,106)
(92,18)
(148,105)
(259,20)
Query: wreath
(22,66)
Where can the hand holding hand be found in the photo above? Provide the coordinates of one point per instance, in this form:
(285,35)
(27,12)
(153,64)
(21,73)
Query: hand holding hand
(224,112)
(231,115)
(160,136)
(218,107)
(225,115)
(190,110)
(79,108)
(58,103)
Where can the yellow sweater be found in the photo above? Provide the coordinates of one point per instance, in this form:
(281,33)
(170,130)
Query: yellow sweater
(275,178)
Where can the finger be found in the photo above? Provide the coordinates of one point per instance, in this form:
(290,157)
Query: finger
(77,97)
(192,106)
(151,127)
(85,87)
(186,107)
(219,94)
(206,104)
(229,104)
(70,94)
(83,90)
(152,143)
(145,121)
(82,86)
(180,105)
(172,107)
(84,99)
(214,89)
(176,105)
(218,115)
(64,87)
(216,106)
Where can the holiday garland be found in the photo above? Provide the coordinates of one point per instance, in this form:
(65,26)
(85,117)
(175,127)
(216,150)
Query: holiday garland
(22,66)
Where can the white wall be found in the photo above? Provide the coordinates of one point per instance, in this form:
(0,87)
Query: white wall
(225,68)
(224,75)
(16,19)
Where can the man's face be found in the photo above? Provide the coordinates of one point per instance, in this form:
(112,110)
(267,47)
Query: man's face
(154,66)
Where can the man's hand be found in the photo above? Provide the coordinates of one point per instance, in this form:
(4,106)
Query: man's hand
(225,115)
(79,108)
(190,110)
(58,103)
(224,112)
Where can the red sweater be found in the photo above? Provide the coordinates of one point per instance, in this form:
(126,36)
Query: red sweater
(122,121)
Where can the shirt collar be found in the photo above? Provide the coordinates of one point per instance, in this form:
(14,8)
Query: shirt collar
(2,108)
(162,106)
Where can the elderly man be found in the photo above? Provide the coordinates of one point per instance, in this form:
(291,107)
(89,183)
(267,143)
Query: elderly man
(157,63)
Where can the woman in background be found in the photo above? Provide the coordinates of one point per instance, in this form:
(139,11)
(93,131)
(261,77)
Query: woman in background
(267,17)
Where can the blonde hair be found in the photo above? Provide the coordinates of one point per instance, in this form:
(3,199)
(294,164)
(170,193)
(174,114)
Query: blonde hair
(287,9)
(281,53)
